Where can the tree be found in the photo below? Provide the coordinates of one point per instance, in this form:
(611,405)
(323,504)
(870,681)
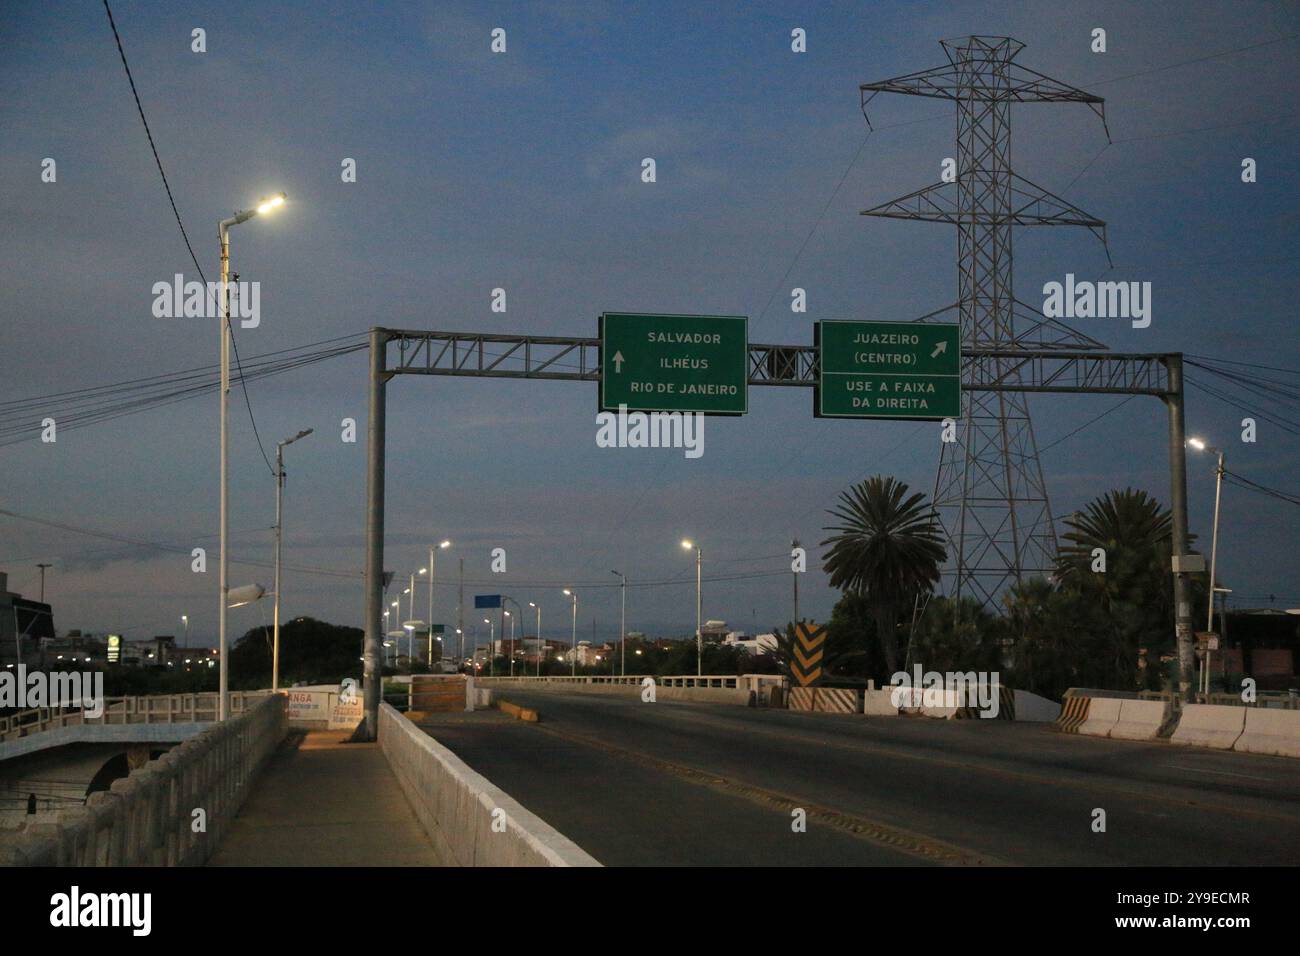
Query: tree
(958,634)
(887,550)
(1132,533)
(311,652)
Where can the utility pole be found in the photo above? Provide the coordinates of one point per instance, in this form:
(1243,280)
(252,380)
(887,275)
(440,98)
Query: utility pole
(1183,563)
(460,613)
(43,567)
(279,540)
(795,575)
(622,626)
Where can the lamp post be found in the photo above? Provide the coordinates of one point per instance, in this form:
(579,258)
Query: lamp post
(432,570)
(185,620)
(538,607)
(622,624)
(279,540)
(573,644)
(504,598)
(1200,445)
(491,644)
(223,591)
(237,597)
(699,604)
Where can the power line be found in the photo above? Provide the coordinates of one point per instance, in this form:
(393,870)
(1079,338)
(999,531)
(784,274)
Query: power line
(1243,482)
(1199,59)
(185,235)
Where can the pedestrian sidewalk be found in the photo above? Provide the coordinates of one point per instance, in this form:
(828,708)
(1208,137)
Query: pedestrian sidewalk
(326,803)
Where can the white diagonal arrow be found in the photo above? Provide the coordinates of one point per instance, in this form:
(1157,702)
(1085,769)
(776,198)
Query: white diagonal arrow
(618,362)
(941,347)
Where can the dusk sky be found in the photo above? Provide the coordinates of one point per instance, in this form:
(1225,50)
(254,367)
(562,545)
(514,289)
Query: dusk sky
(521,171)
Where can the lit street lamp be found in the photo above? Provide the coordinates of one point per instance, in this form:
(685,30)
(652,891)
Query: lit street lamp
(539,636)
(699,639)
(223,231)
(432,571)
(1199,445)
(279,538)
(573,645)
(622,624)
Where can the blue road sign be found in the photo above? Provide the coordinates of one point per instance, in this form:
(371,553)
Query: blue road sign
(487,600)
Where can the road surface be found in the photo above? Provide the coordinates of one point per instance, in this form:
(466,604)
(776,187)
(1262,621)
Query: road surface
(673,783)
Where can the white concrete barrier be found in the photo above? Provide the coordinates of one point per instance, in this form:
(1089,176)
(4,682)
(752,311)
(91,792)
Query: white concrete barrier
(1103,715)
(669,690)
(1270,731)
(1139,719)
(1036,709)
(879,703)
(470,821)
(1209,725)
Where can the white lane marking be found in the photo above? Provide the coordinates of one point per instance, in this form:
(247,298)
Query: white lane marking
(1221,773)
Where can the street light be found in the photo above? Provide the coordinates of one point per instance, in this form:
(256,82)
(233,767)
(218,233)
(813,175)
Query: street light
(491,644)
(279,537)
(223,232)
(622,624)
(573,644)
(432,571)
(539,636)
(185,619)
(699,639)
(1200,445)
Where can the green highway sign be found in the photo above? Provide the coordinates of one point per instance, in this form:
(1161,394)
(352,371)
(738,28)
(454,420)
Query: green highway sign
(906,370)
(674,363)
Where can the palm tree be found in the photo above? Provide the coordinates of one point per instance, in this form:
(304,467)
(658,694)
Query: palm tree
(887,549)
(1127,524)
(1134,533)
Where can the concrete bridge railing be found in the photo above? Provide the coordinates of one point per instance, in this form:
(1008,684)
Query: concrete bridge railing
(149,818)
(143,709)
(727,689)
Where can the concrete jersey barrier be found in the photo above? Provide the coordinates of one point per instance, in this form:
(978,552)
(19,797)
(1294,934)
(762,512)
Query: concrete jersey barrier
(1270,731)
(879,703)
(1209,725)
(1140,719)
(1074,711)
(470,821)
(1103,715)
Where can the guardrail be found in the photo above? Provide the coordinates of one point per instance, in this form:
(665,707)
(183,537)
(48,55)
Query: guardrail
(678,680)
(141,709)
(147,818)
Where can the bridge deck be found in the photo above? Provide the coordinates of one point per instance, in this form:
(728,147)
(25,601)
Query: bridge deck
(324,802)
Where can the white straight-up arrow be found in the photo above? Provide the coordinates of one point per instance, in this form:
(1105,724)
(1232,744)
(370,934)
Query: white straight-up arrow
(941,347)
(618,362)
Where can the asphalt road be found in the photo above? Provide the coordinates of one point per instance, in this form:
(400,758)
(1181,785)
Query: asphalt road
(678,784)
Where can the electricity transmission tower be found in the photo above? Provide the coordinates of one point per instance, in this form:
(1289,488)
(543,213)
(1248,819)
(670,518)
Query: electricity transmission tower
(989,492)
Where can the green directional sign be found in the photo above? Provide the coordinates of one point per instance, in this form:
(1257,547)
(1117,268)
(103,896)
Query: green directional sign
(906,370)
(674,363)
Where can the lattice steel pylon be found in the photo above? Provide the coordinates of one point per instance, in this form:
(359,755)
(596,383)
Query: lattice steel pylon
(989,491)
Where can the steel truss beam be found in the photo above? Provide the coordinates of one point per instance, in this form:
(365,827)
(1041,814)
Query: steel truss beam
(476,354)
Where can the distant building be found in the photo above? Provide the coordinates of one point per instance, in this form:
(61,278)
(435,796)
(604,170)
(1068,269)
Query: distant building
(756,645)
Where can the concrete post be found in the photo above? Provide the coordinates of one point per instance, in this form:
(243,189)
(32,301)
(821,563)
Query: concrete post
(1178,508)
(372,684)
